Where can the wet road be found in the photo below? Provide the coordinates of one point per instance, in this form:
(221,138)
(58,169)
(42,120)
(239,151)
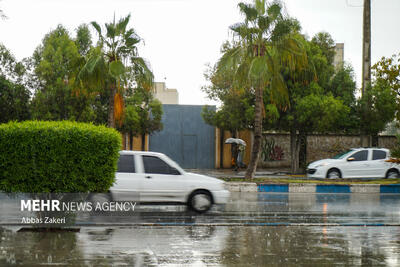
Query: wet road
(261,229)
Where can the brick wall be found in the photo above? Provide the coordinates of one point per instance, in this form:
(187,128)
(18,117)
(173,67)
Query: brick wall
(318,147)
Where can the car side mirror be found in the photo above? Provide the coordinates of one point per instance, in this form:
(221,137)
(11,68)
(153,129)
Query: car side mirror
(174,171)
(350,159)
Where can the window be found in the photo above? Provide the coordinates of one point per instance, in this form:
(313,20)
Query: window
(378,154)
(155,165)
(360,155)
(126,163)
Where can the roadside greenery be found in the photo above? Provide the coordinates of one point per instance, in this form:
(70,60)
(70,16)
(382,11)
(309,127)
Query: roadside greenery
(63,156)
(70,78)
(317,97)
(260,180)
(263,43)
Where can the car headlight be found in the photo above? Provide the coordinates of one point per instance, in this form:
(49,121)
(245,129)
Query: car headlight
(322,165)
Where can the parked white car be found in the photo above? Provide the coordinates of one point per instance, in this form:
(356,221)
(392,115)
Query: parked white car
(355,163)
(158,179)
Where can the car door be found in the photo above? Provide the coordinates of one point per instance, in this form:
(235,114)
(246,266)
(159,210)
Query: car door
(128,181)
(378,164)
(161,182)
(357,165)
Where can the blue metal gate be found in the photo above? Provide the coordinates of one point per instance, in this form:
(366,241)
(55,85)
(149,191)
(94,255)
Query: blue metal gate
(185,138)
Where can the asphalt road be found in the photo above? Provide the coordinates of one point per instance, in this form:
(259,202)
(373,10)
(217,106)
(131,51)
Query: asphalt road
(253,229)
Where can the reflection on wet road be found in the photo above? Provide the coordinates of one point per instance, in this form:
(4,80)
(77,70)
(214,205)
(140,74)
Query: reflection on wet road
(252,230)
(269,209)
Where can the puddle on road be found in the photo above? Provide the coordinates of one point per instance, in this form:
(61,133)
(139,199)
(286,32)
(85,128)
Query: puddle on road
(203,246)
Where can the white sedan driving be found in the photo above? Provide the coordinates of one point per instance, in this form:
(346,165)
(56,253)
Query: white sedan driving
(158,179)
(355,163)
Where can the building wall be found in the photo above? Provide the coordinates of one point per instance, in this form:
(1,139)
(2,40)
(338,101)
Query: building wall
(165,95)
(227,148)
(318,147)
(185,137)
(338,59)
(137,142)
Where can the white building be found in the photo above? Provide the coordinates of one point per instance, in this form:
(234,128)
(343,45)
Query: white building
(338,60)
(164,94)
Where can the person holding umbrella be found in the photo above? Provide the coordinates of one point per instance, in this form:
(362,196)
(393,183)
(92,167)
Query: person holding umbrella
(237,151)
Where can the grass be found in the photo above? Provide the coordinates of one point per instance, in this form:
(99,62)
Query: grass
(260,180)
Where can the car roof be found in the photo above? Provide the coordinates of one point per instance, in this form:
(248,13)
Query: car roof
(361,148)
(131,152)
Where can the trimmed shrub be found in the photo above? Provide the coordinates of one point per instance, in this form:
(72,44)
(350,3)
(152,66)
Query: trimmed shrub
(57,156)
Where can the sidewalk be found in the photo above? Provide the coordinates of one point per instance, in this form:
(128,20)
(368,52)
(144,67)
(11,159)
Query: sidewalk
(223,173)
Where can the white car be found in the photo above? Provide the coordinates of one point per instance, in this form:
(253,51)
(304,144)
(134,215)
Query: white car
(355,163)
(158,179)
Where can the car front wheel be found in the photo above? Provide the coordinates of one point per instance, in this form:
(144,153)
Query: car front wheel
(392,174)
(200,201)
(334,174)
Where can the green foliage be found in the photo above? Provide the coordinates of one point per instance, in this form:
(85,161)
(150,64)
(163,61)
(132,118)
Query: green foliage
(236,113)
(143,113)
(14,101)
(320,113)
(57,156)
(395,152)
(9,66)
(387,73)
(83,39)
(57,62)
(115,63)
(376,108)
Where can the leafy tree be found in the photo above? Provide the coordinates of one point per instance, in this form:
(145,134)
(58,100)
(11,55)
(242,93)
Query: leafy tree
(143,114)
(9,66)
(343,87)
(237,110)
(376,108)
(14,101)
(387,74)
(313,107)
(56,63)
(264,43)
(83,39)
(327,45)
(116,64)
(235,114)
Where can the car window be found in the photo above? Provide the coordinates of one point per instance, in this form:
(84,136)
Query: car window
(378,154)
(360,155)
(342,155)
(126,163)
(155,165)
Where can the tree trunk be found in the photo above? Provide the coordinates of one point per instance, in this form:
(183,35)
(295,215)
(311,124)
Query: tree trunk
(131,140)
(143,142)
(294,151)
(111,119)
(255,153)
(302,152)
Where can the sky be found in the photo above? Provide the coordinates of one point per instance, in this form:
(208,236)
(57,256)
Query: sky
(182,36)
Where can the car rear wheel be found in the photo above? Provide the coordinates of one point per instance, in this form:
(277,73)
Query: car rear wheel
(200,201)
(392,174)
(334,174)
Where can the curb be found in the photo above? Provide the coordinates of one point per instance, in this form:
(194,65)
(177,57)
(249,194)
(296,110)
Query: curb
(314,188)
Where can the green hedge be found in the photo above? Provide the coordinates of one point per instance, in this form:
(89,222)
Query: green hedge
(57,156)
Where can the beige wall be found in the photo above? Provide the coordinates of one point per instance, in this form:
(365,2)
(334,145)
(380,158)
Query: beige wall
(137,142)
(165,95)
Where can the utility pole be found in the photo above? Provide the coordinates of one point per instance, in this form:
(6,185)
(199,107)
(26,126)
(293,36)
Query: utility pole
(366,66)
(366,63)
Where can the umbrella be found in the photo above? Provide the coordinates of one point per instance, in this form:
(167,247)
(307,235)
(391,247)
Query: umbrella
(235,141)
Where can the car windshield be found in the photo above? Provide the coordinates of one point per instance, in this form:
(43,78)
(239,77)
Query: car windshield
(343,154)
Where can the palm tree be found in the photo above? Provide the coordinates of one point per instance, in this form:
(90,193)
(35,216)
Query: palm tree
(115,63)
(262,44)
